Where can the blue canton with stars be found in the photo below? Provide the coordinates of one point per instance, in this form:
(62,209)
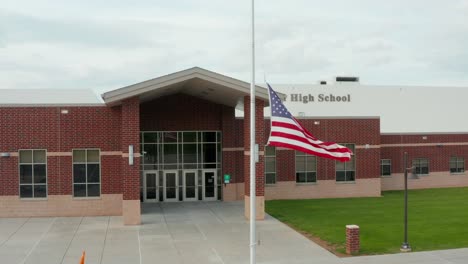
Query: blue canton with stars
(277,107)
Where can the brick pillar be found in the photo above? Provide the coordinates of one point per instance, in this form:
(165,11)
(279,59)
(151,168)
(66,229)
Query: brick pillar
(352,239)
(259,168)
(229,145)
(131,173)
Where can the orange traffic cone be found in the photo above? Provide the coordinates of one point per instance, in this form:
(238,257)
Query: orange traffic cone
(83,258)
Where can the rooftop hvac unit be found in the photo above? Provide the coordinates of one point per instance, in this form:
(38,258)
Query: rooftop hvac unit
(347,79)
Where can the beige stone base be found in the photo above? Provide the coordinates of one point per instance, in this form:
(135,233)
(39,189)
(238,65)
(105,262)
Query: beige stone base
(233,192)
(131,212)
(433,180)
(260,207)
(60,205)
(323,189)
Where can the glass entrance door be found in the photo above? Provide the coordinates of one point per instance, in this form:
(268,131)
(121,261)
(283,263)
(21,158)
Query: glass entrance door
(150,190)
(171,186)
(190,185)
(209,185)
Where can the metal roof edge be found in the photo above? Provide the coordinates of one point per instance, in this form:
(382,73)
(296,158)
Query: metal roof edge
(421,133)
(50,105)
(194,72)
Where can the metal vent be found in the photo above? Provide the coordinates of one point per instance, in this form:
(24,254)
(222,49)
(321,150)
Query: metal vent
(347,79)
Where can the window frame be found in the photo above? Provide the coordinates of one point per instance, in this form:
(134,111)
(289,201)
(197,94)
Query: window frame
(418,160)
(265,166)
(459,159)
(381,167)
(304,155)
(353,159)
(32,171)
(86,175)
(202,139)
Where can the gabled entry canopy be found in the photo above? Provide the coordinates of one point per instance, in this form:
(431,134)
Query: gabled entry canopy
(196,82)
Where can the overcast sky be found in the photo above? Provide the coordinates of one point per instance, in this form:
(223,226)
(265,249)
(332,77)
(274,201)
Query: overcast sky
(104,45)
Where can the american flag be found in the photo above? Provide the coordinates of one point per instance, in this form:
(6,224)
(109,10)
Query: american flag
(287,132)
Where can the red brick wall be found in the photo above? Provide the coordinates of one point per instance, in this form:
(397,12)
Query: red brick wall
(114,128)
(260,140)
(356,131)
(438,148)
(131,136)
(9,176)
(228,126)
(233,159)
(232,156)
(111,175)
(180,112)
(47,128)
(23,128)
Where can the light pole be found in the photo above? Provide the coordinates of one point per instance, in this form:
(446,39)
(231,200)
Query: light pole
(405,247)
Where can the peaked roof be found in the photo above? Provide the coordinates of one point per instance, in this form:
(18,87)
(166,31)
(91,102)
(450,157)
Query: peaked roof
(196,82)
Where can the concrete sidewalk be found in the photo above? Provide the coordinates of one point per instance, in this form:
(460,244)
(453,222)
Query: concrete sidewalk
(451,256)
(200,232)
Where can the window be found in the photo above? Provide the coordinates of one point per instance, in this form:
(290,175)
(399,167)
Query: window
(385,167)
(181,150)
(270,165)
(457,165)
(306,168)
(346,171)
(86,173)
(33,173)
(421,166)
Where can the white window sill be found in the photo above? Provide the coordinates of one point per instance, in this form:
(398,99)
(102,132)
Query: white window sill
(87,198)
(385,176)
(345,182)
(270,184)
(305,183)
(34,199)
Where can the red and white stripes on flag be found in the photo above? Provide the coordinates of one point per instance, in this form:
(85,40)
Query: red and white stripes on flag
(287,132)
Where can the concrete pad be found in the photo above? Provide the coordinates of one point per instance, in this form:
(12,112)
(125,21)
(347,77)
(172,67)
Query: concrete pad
(9,226)
(196,232)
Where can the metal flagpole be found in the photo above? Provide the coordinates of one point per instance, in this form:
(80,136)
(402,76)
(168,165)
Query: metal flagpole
(252,146)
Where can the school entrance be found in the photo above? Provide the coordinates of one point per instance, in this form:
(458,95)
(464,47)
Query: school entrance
(180,166)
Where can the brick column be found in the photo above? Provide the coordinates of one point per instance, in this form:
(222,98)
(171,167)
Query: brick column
(352,239)
(131,173)
(259,168)
(229,154)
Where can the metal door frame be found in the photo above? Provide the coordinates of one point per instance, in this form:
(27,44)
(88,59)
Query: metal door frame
(144,186)
(176,199)
(184,186)
(215,198)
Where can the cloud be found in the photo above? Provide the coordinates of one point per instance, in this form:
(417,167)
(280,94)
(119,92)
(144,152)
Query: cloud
(91,44)
(18,28)
(463,5)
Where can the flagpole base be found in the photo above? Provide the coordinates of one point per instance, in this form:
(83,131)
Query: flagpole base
(260,207)
(405,247)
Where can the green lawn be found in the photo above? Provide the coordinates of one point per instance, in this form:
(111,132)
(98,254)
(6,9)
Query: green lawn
(438,219)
